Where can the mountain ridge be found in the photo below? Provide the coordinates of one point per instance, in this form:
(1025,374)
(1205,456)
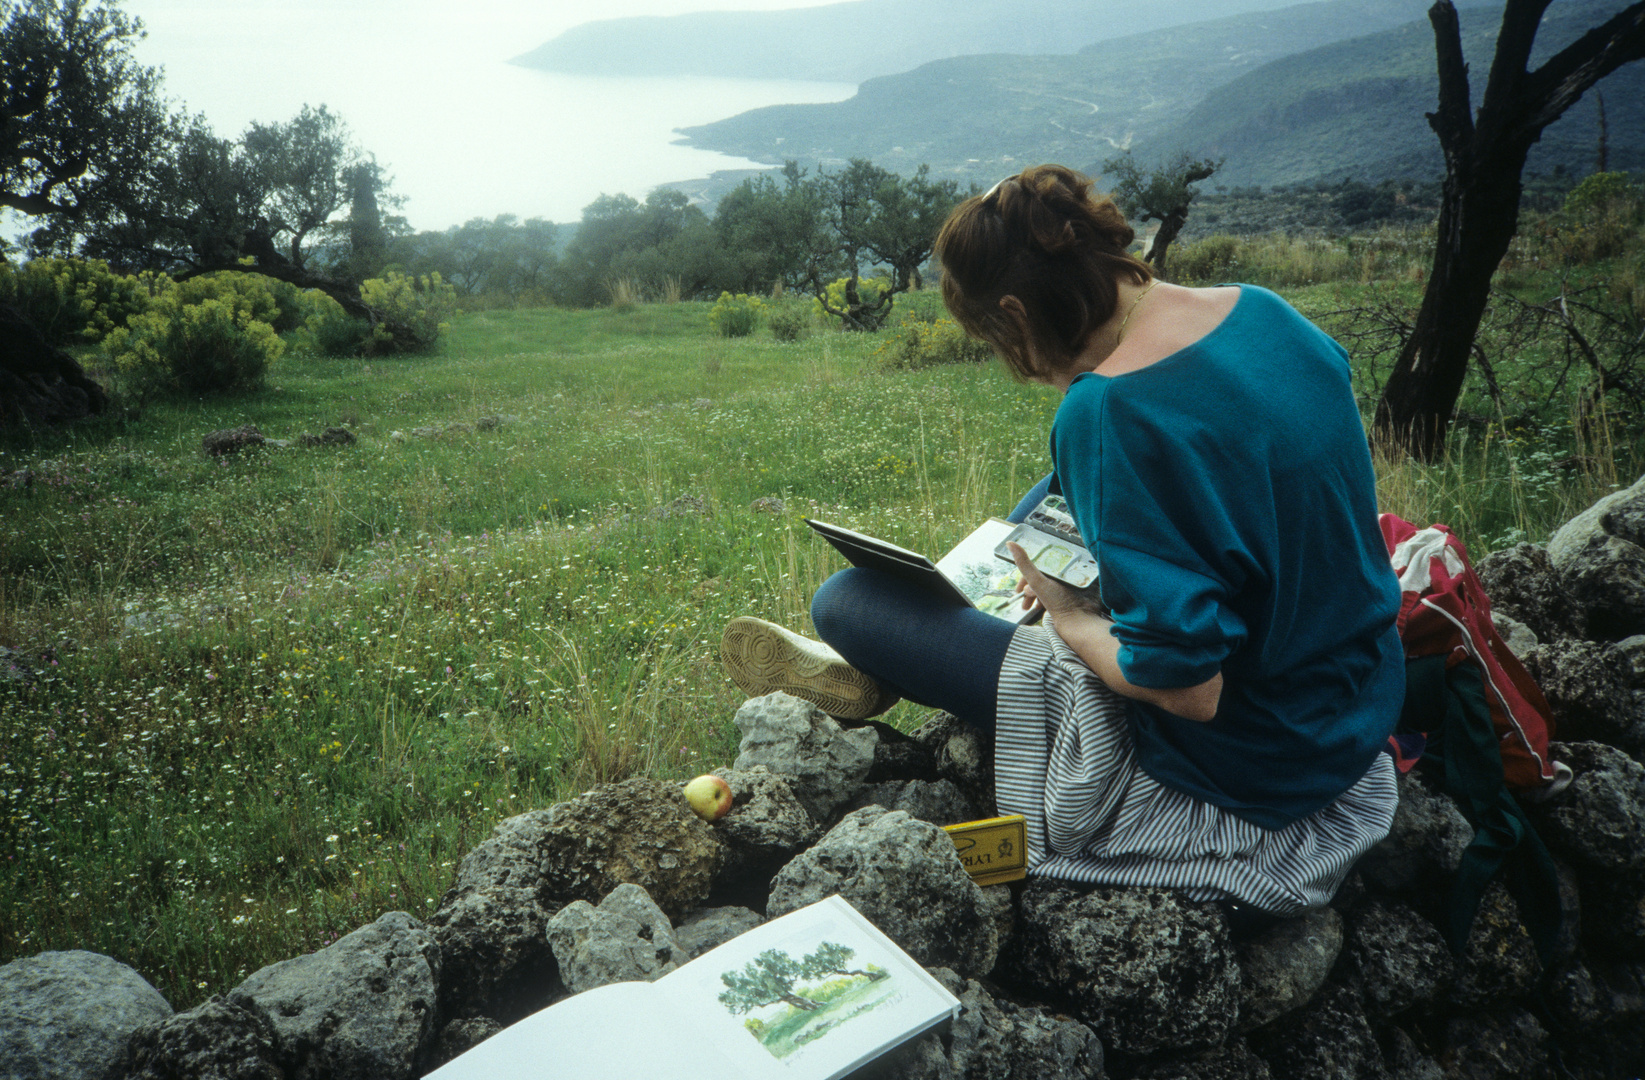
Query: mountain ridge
(853,40)
(1320,90)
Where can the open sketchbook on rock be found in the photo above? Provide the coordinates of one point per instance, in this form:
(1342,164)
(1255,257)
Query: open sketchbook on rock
(979,570)
(808,996)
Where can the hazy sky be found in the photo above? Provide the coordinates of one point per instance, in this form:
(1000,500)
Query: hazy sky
(425,86)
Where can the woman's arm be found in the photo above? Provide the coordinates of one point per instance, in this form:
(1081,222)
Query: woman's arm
(1091,637)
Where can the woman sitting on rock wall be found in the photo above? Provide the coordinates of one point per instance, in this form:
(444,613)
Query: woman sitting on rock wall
(1213,719)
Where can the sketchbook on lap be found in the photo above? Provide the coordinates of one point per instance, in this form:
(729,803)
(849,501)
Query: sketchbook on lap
(979,570)
(808,996)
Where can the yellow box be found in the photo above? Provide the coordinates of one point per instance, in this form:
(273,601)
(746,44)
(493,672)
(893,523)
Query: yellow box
(994,849)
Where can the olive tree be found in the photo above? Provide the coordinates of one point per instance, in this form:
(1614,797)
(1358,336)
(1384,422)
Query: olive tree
(1161,194)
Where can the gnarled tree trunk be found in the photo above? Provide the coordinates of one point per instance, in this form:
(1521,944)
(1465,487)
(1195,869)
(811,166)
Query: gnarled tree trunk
(1479,209)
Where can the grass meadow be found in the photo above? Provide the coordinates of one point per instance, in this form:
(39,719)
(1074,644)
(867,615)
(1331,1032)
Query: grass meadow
(286,691)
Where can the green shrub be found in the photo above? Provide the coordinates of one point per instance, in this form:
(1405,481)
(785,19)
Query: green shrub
(736,316)
(328,330)
(1208,260)
(278,303)
(788,322)
(423,306)
(1600,193)
(209,347)
(73,300)
(1598,220)
(921,342)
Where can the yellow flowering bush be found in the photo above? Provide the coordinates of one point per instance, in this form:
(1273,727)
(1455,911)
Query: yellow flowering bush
(423,305)
(923,342)
(212,346)
(278,303)
(71,300)
(736,315)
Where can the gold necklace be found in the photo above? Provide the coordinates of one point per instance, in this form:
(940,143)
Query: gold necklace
(1119,336)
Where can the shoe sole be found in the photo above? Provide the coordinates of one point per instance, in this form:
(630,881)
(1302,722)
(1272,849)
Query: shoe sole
(761,658)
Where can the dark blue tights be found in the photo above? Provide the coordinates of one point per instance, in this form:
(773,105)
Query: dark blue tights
(923,648)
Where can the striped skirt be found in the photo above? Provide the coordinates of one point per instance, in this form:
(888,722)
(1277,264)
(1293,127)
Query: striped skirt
(1064,759)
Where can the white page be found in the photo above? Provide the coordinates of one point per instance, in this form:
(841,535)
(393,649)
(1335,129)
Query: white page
(623,1031)
(869,1017)
(990,585)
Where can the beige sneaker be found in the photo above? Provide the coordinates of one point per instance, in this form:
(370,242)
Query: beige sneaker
(762,658)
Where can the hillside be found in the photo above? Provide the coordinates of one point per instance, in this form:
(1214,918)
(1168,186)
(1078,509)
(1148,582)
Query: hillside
(1328,89)
(850,42)
(1356,108)
(974,117)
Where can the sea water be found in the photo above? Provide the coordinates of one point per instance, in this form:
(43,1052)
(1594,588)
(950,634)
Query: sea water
(426,87)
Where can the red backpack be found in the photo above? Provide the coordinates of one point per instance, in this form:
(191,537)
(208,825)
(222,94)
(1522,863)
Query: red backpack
(1444,612)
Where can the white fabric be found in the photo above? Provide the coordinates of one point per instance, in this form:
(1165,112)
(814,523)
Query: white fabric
(1064,759)
(1411,559)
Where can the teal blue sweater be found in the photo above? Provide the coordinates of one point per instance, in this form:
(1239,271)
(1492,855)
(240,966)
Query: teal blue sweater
(1227,494)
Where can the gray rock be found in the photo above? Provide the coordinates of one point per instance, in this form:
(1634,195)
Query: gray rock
(1599,820)
(1500,960)
(824,764)
(768,504)
(1235,1061)
(1401,958)
(1523,585)
(331,436)
(1404,1060)
(232,440)
(1632,651)
(1149,970)
(1329,1039)
(963,756)
(905,878)
(639,831)
(1600,554)
(1599,1010)
(1282,968)
(218,1040)
(1508,1042)
(459,1037)
(362,1007)
(491,926)
(68,1015)
(1424,846)
(1587,687)
(1519,638)
(626,939)
(940,802)
(712,927)
(898,755)
(995,1039)
(766,827)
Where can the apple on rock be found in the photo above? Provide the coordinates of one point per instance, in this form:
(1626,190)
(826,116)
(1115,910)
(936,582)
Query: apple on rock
(709,796)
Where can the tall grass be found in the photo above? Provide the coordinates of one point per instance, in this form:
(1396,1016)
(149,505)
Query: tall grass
(281,693)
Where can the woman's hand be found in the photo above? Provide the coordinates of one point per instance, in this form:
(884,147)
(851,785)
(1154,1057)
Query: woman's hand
(1083,626)
(1049,593)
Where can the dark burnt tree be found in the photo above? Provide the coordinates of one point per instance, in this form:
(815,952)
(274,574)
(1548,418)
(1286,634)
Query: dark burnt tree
(1479,209)
(81,122)
(1163,194)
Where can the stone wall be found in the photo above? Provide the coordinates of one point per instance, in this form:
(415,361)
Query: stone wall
(624,882)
